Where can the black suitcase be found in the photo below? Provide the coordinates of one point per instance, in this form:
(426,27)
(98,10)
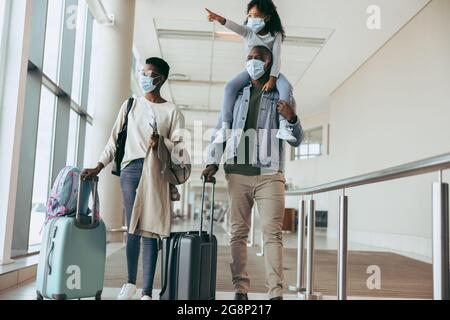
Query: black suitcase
(189,261)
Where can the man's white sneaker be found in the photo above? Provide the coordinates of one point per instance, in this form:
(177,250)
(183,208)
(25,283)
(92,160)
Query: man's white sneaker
(285,132)
(127,292)
(146,298)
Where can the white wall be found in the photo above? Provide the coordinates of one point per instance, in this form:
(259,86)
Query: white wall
(395,109)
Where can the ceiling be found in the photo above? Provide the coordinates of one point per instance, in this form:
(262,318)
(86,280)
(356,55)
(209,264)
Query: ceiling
(327,41)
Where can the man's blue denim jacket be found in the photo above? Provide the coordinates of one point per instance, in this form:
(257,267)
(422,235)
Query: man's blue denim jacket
(269,153)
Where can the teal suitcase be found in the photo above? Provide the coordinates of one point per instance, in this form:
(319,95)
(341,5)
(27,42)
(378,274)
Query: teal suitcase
(72,258)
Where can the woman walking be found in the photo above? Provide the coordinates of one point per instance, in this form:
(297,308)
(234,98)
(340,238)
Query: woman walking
(152,121)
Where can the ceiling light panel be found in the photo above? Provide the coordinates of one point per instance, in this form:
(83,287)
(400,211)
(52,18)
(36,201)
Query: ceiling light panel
(191,58)
(190,94)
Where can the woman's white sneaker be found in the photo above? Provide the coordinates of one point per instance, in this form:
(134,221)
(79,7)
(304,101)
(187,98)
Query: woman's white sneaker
(127,292)
(146,298)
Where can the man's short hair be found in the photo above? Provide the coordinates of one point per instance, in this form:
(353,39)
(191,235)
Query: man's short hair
(265,50)
(162,67)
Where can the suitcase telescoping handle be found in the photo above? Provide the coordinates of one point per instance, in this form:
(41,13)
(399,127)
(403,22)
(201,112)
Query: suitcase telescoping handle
(94,199)
(213,183)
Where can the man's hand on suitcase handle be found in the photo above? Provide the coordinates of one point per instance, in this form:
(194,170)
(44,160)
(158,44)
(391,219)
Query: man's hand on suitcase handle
(209,173)
(89,174)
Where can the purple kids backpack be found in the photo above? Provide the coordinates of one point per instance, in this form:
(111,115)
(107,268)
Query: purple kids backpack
(63,197)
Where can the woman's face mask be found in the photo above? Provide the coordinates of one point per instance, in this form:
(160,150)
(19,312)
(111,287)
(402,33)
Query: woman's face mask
(255,69)
(256,24)
(148,83)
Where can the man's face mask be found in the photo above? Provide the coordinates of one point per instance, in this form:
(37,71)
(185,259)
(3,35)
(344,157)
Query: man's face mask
(256,24)
(147,82)
(255,69)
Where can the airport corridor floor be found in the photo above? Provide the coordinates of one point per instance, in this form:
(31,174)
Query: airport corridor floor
(401,277)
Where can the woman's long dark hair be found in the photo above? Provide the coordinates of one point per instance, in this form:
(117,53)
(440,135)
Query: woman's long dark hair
(268,8)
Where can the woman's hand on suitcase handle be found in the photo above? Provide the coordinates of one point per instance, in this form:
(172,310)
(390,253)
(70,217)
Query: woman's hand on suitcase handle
(88,174)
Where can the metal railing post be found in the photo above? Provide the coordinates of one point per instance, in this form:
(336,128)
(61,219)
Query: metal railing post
(309,293)
(441,281)
(300,285)
(343,248)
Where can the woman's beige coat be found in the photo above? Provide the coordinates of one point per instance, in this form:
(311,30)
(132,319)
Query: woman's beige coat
(152,210)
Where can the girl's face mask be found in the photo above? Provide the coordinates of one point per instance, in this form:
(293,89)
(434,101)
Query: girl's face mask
(256,24)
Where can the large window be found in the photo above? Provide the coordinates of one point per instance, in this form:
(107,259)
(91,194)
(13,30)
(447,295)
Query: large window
(79,53)
(4,22)
(72,144)
(41,183)
(59,53)
(311,146)
(53,38)
(88,149)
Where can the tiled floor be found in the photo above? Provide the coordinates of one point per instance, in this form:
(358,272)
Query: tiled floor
(27,290)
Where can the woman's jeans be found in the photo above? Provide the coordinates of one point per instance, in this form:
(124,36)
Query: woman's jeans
(129,181)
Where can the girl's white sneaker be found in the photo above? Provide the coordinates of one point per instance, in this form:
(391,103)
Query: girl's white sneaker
(127,292)
(285,132)
(146,298)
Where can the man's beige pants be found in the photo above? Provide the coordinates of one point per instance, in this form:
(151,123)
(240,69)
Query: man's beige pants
(268,193)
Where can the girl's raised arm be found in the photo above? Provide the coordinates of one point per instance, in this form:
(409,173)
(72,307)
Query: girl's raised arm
(237,28)
(232,26)
(215,17)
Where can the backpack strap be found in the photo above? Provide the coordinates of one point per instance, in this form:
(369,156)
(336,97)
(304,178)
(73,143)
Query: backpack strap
(121,140)
(129,107)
